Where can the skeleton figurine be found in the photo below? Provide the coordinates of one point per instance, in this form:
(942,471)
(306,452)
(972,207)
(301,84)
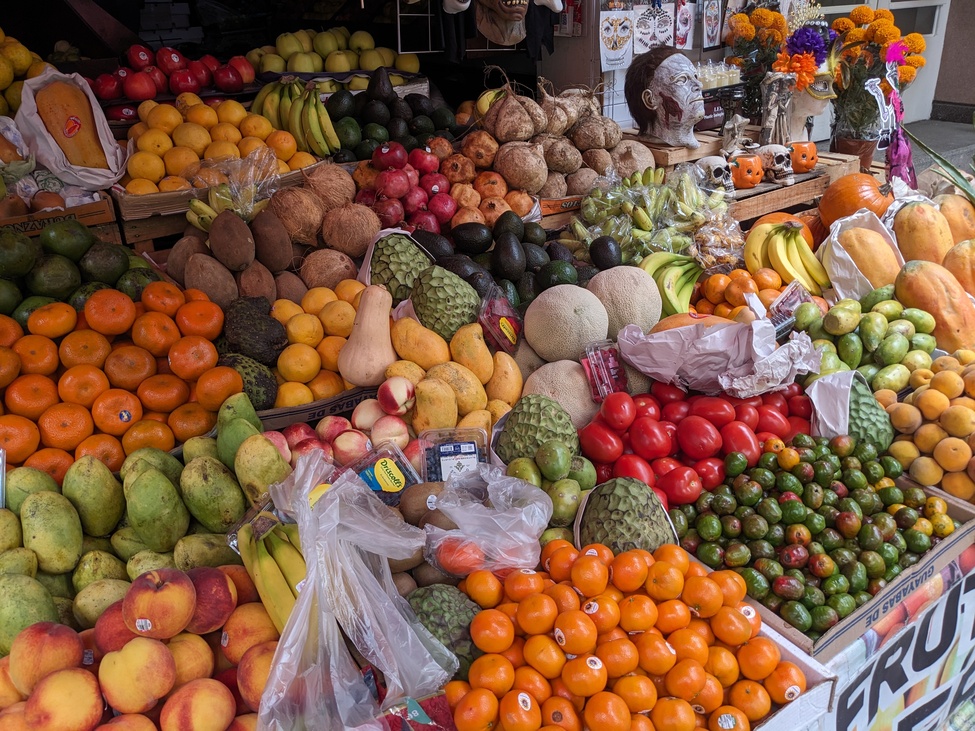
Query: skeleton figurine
(777,91)
(733,139)
(777,164)
(717,174)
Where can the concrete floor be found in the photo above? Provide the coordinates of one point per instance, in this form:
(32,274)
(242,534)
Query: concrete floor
(954,141)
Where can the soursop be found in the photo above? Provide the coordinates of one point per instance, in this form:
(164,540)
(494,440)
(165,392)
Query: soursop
(396,262)
(869,422)
(447,613)
(534,420)
(443,301)
(624,514)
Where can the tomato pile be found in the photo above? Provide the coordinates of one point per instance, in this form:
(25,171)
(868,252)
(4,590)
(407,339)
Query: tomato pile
(678,443)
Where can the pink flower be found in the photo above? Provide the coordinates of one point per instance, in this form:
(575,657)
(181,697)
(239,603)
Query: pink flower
(896,52)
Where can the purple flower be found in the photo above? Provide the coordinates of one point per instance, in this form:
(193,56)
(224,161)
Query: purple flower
(807,40)
(833,35)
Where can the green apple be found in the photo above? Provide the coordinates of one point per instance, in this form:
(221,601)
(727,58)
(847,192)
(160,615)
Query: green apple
(269,49)
(358,83)
(288,44)
(304,38)
(370,60)
(361,40)
(337,63)
(301,63)
(254,56)
(317,62)
(389,55)
(325,43)
(274,63)
(343,30)
(396,80)
(408,62)
(353,58)
(341,38)
(311,33)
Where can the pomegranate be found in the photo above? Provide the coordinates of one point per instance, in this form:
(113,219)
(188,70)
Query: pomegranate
(366,196)
(424,161)
(390,212)
(443,207)
(392,183)
(414,200)
(424,220)
(434,183)
(390,155)
(412,174)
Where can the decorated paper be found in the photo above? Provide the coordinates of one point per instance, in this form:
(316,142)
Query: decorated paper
(712,23)
(730,8)
(684,22)
(654,26)
(615,39)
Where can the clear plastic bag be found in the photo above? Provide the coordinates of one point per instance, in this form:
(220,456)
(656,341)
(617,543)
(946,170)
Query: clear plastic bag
(242,185)
(346,539)
(497,516)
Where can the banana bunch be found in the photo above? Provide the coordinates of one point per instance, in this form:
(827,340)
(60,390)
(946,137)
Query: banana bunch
(780,246)
(221,198)
(201,214)
(675,275)
(275,565)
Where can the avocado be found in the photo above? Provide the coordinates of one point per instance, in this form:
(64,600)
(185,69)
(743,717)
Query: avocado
(557,272)
(53,276)
(78,298)
(535,257)
(460,264)
(22,311)
(558,252)
(507,257)
(18,253)
(510,292)
(350,155)
(420,104)
(472,238)
(397,128)
(534,234)
(509,222)
(483,260)
(585,272)
(359,104)
(340,104)
(348,133)
(481,281)
(377,132)
(400,109)
(446,134)
(421,125)
(69,238)
(10,296)
(425,139)
(134,281)
(104,262)
(375,112)
(443,118)
(364,150)
(409,142)
(604,251)
(435,245)
(528,288)
(380,88)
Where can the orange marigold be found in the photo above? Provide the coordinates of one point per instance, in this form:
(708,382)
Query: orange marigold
(856,35)
(842,25)
(737,20)
(906,74)
(915,42)
(746,32)
(883,13)
(762,18)
(915,61)
(862,15)
(803,65)
(886,34)
(885,87)
(779,23)
(770,37)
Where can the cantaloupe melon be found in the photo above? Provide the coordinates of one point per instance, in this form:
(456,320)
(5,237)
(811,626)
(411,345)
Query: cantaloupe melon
(563,320)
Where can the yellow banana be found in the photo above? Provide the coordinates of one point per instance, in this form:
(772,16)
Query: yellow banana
(201,222)
(809,261)
(794,257)
(261,96)
(641,219)
(271,106)
(660,259)
(756,245)
(289,560)
(202,208)
(668,283)
(328,130)
(315,125)
(778,249)
(284,106)
(685,287)
(247,548)
(294,122)
(289,531)
(273,588)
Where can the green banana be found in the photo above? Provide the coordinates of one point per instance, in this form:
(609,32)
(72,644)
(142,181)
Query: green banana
(219,197)
(660,259)
(641,219)
(648,177)
(668,282)
(284,107)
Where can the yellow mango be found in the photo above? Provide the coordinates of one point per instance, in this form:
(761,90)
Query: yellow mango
(468,348)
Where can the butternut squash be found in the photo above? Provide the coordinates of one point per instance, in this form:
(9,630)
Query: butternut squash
(960,261)
(960,214)
(872,255)
(67,115)
(922,233)
(368,352)
(931,287)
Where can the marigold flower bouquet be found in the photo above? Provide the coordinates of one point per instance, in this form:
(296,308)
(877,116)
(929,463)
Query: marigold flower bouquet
(755,39)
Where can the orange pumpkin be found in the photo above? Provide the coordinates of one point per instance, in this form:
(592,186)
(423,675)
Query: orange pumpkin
(804,156)
(746,171)
(782,217)
(847,195)
(816,227)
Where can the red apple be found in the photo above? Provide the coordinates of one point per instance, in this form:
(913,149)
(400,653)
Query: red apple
(183,80)
(122,113)
(158,77)
(211,62)
(139,86)
(244,68)
(139,57)
(201,71)
(122,73)
(424,161)
(170,60)
(107,87)
(227,79)
(298,432)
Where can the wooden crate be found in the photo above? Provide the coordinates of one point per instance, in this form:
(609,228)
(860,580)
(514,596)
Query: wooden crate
(667,157)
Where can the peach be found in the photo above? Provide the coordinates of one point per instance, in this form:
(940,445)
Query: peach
(8,691)
(66,700)
(249,625)
(41,649)
(253,671)
(390,429)
(220,662)
(134,678)
(128,722)
(110,631)
(216,598)
(396,395)
(246,591)
(330,427)
(307,446)
(244,722)
(159,604)
(281,444)
(414,452)
(366,413)
(193,656)
(229,678)
(200,705)
(297,432)
(350,446)
(92,656)
(12,718)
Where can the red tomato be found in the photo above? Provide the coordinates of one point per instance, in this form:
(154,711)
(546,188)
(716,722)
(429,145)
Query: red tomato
(799,426)
(698,438)
(793,389)
(665,393)
(662,496)
(682,485)
(671,428)
(747,414)
(618,411)
(716,410)
(604,472)
(650,439)
(739,437)
(776,399)
(800,406)
(663,465)
(772,419)
(765,436)
(750,401)
(711,472)
(627,445)
(630,465)
(600,443)
(695,397)
(675,411)
(647,405)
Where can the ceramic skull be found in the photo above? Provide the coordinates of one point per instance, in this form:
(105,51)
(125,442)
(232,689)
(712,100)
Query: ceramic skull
(777,164)
(717,173)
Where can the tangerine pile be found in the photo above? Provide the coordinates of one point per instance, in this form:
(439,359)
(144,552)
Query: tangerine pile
(723,295)
(633,642)
(110,379)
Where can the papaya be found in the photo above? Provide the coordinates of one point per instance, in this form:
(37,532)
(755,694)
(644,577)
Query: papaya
(872,255)
(68,118)
(930,287)
(686,320)
(922,233)
(960,261)
(960,214)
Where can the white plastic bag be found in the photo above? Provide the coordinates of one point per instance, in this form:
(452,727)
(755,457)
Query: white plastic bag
(846,280)
(47,151)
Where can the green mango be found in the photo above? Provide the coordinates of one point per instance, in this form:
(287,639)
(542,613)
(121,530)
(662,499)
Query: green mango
(52,530)
(806,314)
(126,543)
(148,560)
(895,377)
(96,495)
(925,342)
(204,549)
(211,494)
(923,321)
(869,370)
(873,328)
(24,602)
(152,457)
(841,320)
(155,509)
(230,437)
(902,326)
(238,406)
(850,349)
(891,309)
(916,359)
(824,346)
(198,447)
(19,561)
(878,295)
(892,350)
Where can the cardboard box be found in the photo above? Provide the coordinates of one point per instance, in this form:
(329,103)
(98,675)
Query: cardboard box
(90,214)
(551,206)
(806,710)
(850,628)
(310,413)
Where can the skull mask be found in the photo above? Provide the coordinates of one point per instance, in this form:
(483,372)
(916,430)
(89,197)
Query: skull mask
(777,164)
(717,174)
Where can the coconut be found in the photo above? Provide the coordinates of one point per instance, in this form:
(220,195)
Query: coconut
(523,165)
(326,268)
(350,228)
(332,184)
(300,211)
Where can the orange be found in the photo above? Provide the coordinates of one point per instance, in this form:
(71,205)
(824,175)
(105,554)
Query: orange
(689,645)
(9,366)
(702,595)
(109,312)
(148,433)
(757,658)
(560,713)
(484,588)
(559,690)
(753,617)
(536,614)
(492,671)
(52,320)
(603,553)
(735,293)
(19,437)
(714,287)
(454,691)
(492,631)
(673,714)
(51,460)
(29,395)
(256,125)
(710,697)
(560,563)
(337,318)
(103,447)
(751,698)
(738,273)
(603,611)
(607,712)
(522,583)
(767,278)
(326,385)
(328,348)
(129,365)
(564,595)
(65,426)
(589,575)
(115,410)
(518,711)
(299,363)
(163,392)
(785,683)
(10,331)
(620,656)
(637,691)
(731,626)
(544,655)
(672,615)
(347,289)
(532,682)
(476,711)
(585,675)
(728,718)
(685,679)
(316,298)
(657,656)
(84,347)
(191,356)
(640,722)
(696,569)
(722,664)
(163,297)
(516,653)
(674,555)
(704,307)
(575,632)
(282,143)
(628,571)
(664,581)
(702,628)
(38,354)
(458,556)
(159,416)
(155,332)
(549,548)
(199,317)
(82,384)
(733,588)
(638,613)
(191,420)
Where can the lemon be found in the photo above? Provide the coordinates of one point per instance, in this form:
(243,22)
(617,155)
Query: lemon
(37,68)
(4,107)
(18,55)
(12,95)
(6,73)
